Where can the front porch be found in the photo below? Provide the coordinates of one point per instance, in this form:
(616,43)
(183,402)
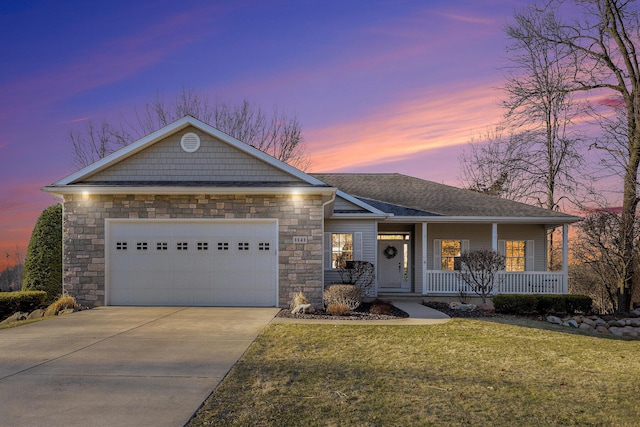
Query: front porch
(410,259)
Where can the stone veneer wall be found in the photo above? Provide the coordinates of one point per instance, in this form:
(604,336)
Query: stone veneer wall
(299,266)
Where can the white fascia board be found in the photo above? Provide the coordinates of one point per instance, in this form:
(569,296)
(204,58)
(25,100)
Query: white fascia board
(360,203)
(172,190)
(359,216)
(176,126)
(487,220)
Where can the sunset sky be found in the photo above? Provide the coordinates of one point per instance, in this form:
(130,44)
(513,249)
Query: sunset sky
(378,86)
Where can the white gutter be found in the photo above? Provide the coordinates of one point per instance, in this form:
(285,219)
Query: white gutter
(487,219)
(171,190)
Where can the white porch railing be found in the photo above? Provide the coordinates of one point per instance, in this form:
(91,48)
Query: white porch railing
(534,282)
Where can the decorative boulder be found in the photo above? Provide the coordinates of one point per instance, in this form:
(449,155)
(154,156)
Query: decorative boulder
(555,320)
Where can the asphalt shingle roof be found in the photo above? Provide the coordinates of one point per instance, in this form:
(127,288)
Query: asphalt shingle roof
(417,197)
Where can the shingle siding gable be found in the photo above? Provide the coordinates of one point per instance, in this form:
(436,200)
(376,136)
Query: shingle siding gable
(215,160)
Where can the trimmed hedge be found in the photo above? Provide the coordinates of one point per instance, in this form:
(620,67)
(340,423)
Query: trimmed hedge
(542,304)
(43,262)
(27,301)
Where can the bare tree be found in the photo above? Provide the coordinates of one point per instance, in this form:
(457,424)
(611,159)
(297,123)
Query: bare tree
(479,269)
(597,249)
(276,134)
(600,40)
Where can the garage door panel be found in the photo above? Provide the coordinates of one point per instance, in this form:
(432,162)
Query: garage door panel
(182,262)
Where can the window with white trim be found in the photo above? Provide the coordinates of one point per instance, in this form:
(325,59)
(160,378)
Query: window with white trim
(515,255)
(341,249)
(450,254)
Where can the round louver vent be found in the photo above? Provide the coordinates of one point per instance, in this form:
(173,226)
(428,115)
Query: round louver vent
(190,142)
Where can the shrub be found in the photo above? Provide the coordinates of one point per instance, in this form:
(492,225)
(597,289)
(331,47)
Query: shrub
(348,295)
(43,262)
(578,304)
(298,299)
(515,304)
(12,302)
(542,304)
(338,309)
(381,307)
(358,273)
(552,304)
(62,303)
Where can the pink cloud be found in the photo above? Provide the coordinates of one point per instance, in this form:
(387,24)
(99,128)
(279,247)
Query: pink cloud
(610,102)
(470,19)
(406,129)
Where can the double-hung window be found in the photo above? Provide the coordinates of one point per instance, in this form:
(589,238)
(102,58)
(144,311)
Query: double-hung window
(340,248)
(518,254)
(447,253)
(515,255)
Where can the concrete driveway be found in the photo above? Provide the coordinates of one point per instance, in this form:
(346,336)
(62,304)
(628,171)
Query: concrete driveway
(121,366)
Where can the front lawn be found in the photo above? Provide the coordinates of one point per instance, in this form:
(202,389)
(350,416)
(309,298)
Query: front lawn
(464,372)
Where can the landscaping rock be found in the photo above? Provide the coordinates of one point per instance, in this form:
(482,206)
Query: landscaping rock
(467,307)
(36,314)
(65,311)
(585,327)
(577,319)
(617,323)
(488,307)
(555,320)
(614,330)
(603,330)
(302,308)
(15,317)
(634,313)
(589,322)
(600,322)
(572,323)
(634,322)
(454,305)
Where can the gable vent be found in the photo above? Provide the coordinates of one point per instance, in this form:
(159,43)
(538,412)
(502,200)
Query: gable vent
(190,142)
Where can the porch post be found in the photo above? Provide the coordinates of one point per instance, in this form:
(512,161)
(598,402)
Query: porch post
(424,258)
(565,257)
(494,237)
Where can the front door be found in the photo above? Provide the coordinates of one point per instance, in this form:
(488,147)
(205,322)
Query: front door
(393,265)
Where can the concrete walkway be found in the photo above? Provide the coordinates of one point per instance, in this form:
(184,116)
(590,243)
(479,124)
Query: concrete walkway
(418,315)
(121,366)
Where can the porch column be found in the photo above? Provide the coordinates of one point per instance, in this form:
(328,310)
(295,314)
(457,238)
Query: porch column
(494,237)
(424,258)
(565,257)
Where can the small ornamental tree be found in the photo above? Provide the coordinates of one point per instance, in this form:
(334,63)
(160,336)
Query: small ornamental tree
(43,262)
(358,273)
(479,270)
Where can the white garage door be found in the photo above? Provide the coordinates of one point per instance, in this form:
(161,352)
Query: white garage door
(191,262)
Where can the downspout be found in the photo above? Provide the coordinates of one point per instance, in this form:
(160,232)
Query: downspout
(324,252)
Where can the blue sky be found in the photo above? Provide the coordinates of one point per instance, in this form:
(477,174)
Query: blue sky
(378,86)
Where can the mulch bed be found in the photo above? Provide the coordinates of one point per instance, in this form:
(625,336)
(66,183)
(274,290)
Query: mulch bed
(360,313)
(444,307)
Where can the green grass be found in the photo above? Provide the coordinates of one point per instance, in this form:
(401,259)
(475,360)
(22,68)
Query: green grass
(465,372)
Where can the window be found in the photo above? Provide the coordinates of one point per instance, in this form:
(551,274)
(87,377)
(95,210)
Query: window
(341,249)
(515,255)
(121,246)
(450,254)
(202,246)
(162,246)
(141,246)
(263,246)
(182,246)
(223,246)
(243,246)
